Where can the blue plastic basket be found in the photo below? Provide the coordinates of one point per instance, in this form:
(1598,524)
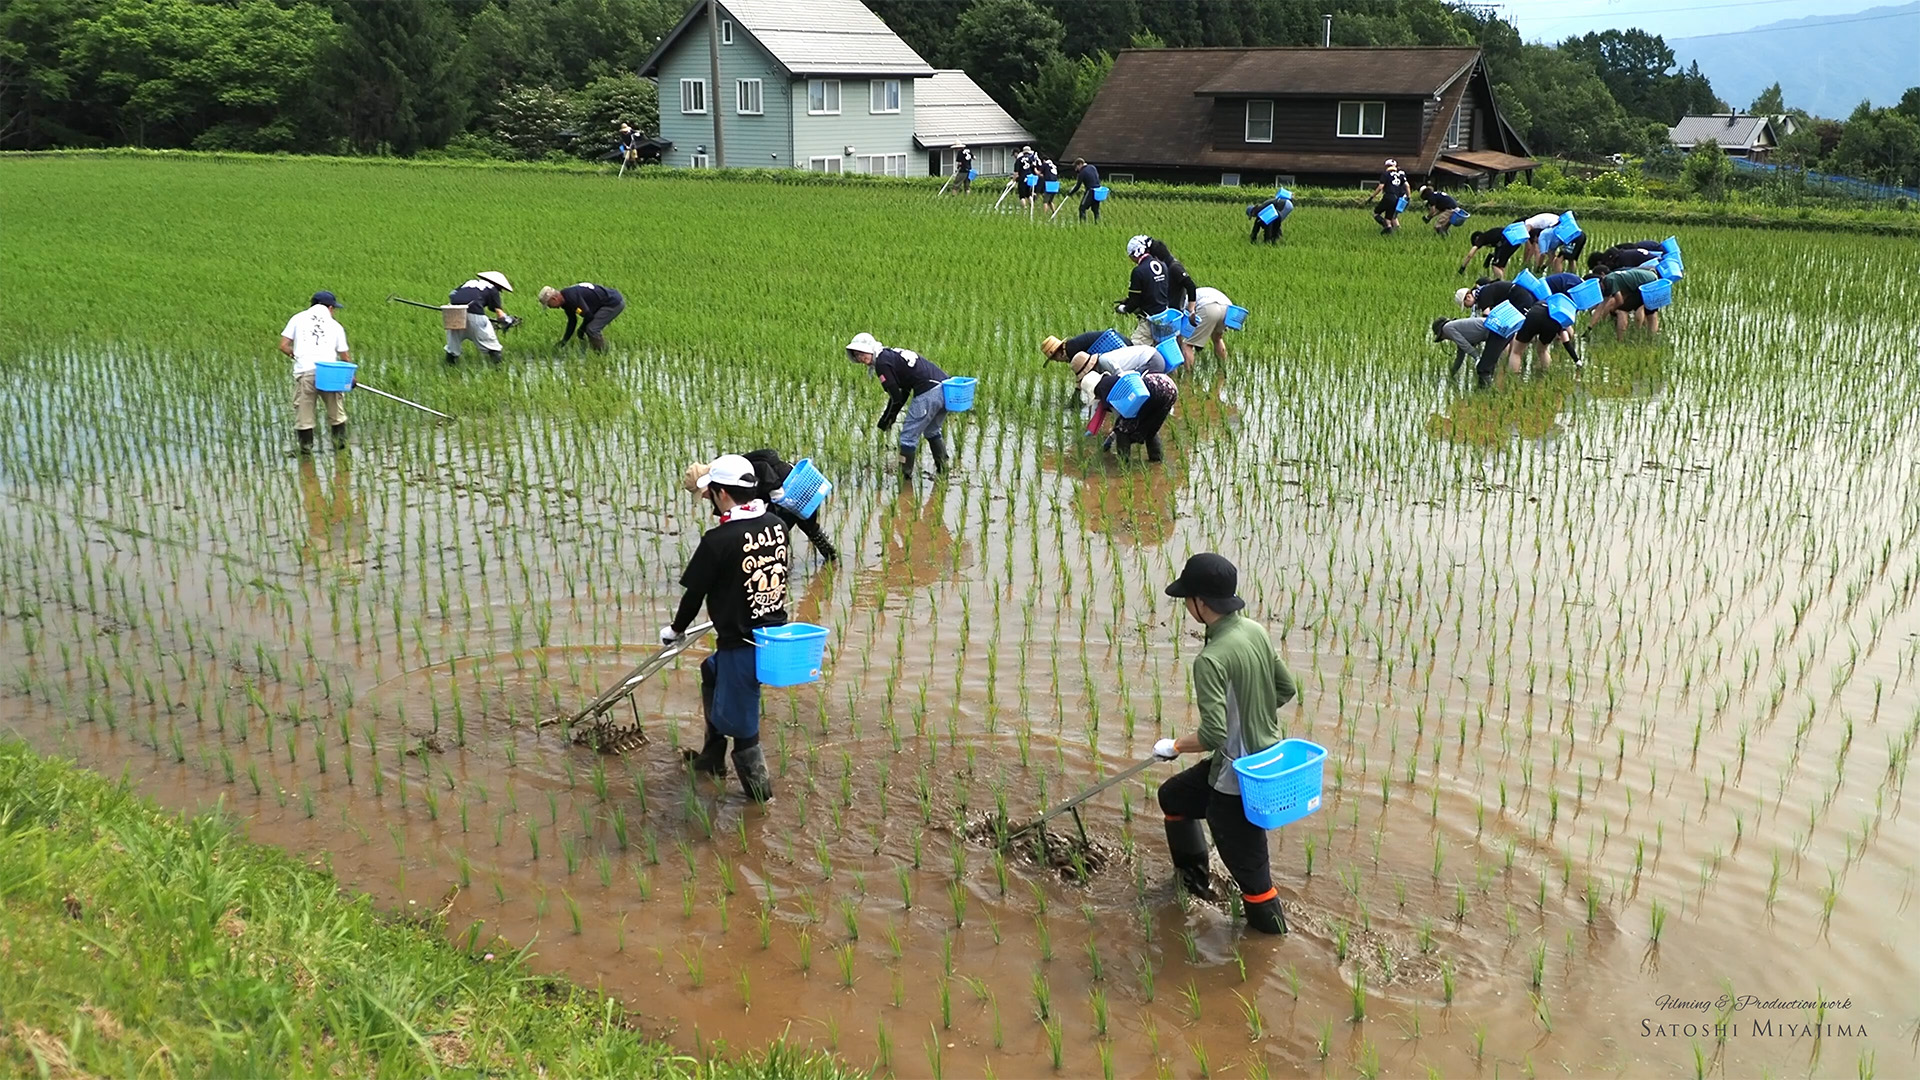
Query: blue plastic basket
(1100,194)
(1281,784)
(1033,180)
(1128,394)
(1166,323)
(1236,317)
(1567,231)
(1671,269)
(1283,193)
(1515,234)
(789,655)
(1585,295)
(332,376)
(957,393)
(1655,295)
(1671,245)
(1108,341)
(973,174)
(1268,214)
(1528,281)
(1561,309)
(805,489)
(1458,217)
(1504,319)
(1170,352)
(1053,187)
(1401,206)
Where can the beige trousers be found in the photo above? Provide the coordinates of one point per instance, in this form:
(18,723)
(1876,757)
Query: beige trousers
(304,397)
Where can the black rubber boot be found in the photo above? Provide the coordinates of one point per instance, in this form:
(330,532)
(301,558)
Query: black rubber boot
(907,454)
(494,356)
(938,445)
(1155,452)
(826,549)
(755,781)
(1266,916)
(1122,446)
(453,358)
(339,437)
(711,758)
(306,440)
(1187,843)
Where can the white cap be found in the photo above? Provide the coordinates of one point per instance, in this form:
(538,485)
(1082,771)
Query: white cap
(863,343)
(1463,297)
(495,278)
(1137,246)
(730,470)
(1090,384)
(1392,164)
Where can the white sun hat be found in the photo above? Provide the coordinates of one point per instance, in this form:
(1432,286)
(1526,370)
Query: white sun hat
(863,343)
(495,278)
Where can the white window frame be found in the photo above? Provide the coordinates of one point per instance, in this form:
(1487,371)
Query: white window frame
(829,164)
(1455,137)
(878,91)
(726,31)
(823,85)
(1361,132)
(1268,137)
(691,89)
(699,161)
(883,164)
(749,92)
(1229,179)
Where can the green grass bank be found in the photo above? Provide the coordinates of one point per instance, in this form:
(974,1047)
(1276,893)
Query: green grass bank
(134,942)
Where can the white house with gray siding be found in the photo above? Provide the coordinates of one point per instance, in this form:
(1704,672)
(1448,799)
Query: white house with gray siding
(812,84)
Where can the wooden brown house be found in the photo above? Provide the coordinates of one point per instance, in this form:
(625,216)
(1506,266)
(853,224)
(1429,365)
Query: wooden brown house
(1299,116)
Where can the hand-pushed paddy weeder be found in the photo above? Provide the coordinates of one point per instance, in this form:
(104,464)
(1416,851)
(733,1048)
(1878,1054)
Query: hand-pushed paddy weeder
(603,734)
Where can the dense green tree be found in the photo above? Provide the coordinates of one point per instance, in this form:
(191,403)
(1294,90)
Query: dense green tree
(1771,102)
(398,76)
(1707,171)
(563,43)
(1053,103)
(1909,105)
(1881,145)
(1003,43)
(1639,71)
(611,100)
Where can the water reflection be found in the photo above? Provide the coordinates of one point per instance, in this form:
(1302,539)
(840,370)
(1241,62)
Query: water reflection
(1531,407)
(336,524)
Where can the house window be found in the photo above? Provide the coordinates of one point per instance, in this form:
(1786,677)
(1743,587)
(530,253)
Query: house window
(883,164)
(991,161)
(823,164)
(746,97)
(823,97)
(1363,119)
(1229,179)
(1120,178)
(885,96)
(726,31)
(1260,121)
(693,95)
(700,161)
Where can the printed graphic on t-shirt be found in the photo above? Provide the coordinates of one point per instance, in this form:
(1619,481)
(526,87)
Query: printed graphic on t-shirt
(763,565)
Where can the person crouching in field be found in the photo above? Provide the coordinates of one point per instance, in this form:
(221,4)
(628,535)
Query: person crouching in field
(1239,683)
(1441,206)
(1140,429)
(1269,230)
(587,305)
(739,571)
(1468,335)
(1621,290)
(1210,323)
(1149,289)
(907,377)
(311,336)
(771,472)
(1499,251)
(481,295)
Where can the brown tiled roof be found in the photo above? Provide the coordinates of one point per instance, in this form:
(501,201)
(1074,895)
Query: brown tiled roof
(1389,72)
(1146,112)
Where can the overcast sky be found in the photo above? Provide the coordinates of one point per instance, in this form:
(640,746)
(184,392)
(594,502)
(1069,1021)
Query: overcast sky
(1552,20)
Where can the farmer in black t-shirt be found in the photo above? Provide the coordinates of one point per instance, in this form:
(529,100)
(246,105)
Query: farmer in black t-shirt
(1149,288)
(590,307)
(1390,190)
(1026,166)
(1441,208)
(1049,174)
(771,470)
(1499,251)
(1085,179)
(962,167)
(913,381)
(739,572)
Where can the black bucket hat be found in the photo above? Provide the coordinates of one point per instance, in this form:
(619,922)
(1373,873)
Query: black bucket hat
(1212,580)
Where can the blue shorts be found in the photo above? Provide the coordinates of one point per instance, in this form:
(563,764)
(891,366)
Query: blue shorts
(926,415)
(731,677)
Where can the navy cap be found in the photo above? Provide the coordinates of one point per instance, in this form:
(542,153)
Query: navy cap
(327,298)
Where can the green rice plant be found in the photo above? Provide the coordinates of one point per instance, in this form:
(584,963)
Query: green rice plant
(1357,993)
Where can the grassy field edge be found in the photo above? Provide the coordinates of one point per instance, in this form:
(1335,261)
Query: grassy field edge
(1515,201)
(134,942)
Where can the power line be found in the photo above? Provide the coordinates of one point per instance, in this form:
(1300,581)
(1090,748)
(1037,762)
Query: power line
(1617,15)
(1802,26)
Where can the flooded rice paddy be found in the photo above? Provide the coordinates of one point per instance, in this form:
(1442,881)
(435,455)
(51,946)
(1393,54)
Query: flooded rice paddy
(1616,673)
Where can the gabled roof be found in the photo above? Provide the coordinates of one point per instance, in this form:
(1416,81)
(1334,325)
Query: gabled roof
(950,108)
(1155,108)
(1382,72)
(1739,132)
(808,37)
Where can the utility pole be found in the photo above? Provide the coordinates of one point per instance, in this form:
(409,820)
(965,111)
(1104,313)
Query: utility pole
(713,95)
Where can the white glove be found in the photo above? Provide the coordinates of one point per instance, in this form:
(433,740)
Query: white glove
(669,636)
(1164,750)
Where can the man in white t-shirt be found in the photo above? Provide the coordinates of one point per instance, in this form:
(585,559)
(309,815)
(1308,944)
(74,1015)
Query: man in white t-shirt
(310,336)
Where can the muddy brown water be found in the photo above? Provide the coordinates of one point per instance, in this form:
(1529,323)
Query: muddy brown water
(1628,661)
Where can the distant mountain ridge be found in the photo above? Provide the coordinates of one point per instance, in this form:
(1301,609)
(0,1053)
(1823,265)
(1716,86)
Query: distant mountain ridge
(1825,64)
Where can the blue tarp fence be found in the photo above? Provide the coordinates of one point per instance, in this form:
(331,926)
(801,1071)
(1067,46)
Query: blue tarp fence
(1848,184)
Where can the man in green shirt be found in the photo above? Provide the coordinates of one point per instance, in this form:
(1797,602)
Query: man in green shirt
(1240,684)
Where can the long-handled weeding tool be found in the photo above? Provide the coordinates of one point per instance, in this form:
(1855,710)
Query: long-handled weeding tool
(1004,192)
(1073,806)
(504,325)
(395,397)
(945,186)
(602,734)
